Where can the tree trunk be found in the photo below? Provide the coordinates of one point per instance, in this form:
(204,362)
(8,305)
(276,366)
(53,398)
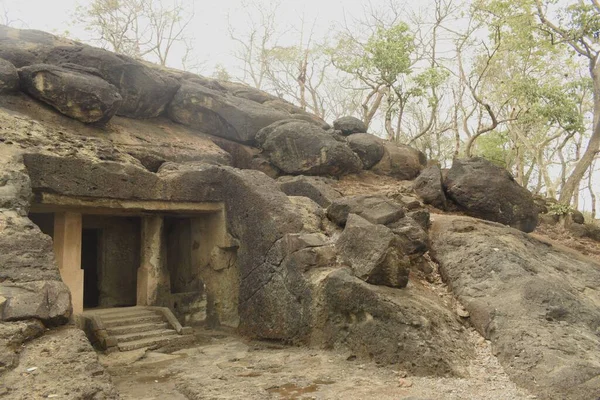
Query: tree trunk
(572,183)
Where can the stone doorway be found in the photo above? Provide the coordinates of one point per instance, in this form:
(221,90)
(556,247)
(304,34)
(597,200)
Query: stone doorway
(89,264)
(144,253)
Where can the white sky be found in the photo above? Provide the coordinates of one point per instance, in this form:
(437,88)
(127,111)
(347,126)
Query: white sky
(209,26)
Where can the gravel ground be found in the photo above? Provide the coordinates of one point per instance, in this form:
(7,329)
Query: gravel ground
(224,366)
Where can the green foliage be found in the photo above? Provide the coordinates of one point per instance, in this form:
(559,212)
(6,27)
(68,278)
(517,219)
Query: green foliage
(560,209)
(547,103)
(383,58)
(495,148)
(580,20)
(388,52)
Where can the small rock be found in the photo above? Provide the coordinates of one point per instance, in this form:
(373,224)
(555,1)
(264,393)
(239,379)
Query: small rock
(405,383)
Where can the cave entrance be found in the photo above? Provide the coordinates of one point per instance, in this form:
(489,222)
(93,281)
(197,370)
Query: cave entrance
(110,257)
(89,264)
(99,256)
(114,253)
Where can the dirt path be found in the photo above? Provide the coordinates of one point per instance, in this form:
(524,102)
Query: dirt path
(224,366)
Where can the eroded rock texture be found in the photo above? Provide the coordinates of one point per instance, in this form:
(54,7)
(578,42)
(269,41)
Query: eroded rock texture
(486,191)
(349,125)
(429,187)
(9,77)
(368,148)
(538,305)
(76,92)
(304,148)
(64,366)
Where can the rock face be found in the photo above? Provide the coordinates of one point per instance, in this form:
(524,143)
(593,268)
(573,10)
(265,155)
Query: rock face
(315,188)
(67,367)
(75,92)
(428,186)
(400,161)
(538,305)
(9,78)
(221,114)
(408,328)
(49,302)
(145,92)
(349,125)
(591,231)
(372,251)
(369,148)
(578,217)
(489,192)
(304,148)
(373,208)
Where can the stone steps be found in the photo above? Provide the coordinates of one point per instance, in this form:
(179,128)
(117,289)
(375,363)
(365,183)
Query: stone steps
(134,320)
(155,342)
(131,328)
(131,337)
(124,329)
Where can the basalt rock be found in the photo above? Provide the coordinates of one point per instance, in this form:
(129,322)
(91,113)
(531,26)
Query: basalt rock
(145,92)
(67,367)
(591,231)
(220,113)
(373,252)
(369,148)
(75,92)
(400,161)
(428,186)
(303,148)
(408,328)
(486,191)
(375,209)
(537,304)
(349,125)
(315,188)
(9,78)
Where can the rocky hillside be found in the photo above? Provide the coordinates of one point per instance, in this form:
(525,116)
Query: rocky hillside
(318,262)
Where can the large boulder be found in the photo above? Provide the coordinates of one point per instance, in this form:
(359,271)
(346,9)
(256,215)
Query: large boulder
(349,125)
(409,328)
(428,186)
(400,161)
(66,367)
(537,304)
(374,208)
(79,176)
(315,188)
(47,301)
(369,148)
(303,148)
(413,239)
(591,231)
(486,191)
(145,91)
(373,253)
(220,113)
(13,336)
(76,92)
(24,47)
(9,78)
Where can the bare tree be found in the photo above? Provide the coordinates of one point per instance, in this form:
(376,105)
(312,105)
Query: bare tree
(148,29)
(256,40)
(7,19)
